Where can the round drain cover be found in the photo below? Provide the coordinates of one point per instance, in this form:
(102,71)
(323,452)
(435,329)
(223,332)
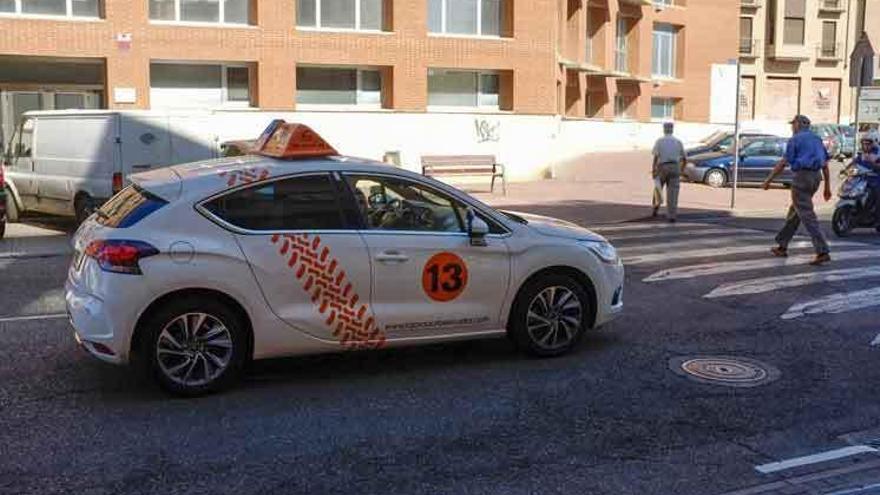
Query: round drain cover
(725,370)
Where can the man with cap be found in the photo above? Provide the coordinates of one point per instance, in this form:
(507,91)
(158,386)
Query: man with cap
(808,159)
(669,162)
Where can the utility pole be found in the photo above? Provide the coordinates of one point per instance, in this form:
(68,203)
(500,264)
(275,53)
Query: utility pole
(736,135)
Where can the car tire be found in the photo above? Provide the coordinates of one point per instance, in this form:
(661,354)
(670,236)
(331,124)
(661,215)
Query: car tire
(11,208)
(842,221)
(83,207)
(2,228)
(193,346)
(547,330)
(715,178)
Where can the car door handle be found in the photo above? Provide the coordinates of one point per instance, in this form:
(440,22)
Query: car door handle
(392,257)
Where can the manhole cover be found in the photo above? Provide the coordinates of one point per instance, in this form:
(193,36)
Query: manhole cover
(724,370)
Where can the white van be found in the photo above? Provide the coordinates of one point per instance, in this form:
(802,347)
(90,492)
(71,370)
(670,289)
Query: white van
(69,162)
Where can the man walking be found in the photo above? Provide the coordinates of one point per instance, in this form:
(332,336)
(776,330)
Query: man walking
(808,159)
(669,162)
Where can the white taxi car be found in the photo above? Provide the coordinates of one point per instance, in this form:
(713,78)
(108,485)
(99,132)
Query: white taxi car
(195,269)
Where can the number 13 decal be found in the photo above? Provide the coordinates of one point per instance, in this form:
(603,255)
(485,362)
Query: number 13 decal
(445,277)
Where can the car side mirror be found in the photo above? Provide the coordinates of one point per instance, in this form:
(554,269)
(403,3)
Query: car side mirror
(477,230)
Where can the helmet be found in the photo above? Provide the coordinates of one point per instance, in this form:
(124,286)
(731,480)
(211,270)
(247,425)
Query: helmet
(872,137)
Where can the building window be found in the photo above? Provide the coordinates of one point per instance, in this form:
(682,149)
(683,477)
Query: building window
(59,8)
(663,59)
(746,44)
(362,15)
(208,11)
(622,104)
(828,48)
(174,85)
(467,17)
(621,53)
(662,108)
(339,86)
(794,22)
(459,88)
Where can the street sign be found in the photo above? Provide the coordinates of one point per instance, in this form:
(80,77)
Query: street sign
(869,106)
(861,69)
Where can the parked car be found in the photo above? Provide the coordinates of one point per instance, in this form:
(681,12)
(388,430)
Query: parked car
(720,141)
(831,138)
(757,158)
(196,269)
(848,136)
(69,162)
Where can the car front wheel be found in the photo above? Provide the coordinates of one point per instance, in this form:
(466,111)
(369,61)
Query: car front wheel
(194,346)
(549,316)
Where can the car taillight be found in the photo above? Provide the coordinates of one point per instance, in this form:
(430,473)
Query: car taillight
(120,256)
(117,182)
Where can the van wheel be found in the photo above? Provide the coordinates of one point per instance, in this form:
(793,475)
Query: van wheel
(193,346)
(549,316)
(2,228)
(83,207)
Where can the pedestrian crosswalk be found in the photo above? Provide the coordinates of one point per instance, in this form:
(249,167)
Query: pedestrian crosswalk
(725,263)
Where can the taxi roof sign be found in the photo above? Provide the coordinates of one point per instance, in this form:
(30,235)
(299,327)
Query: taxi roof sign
(289,140)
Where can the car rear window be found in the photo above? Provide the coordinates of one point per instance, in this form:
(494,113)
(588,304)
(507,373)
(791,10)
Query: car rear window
(129,207)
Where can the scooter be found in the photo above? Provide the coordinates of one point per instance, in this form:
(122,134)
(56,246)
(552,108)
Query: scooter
(855,208)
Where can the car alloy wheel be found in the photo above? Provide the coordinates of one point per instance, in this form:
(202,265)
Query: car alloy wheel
(194,349)
(554,318)
(715,178)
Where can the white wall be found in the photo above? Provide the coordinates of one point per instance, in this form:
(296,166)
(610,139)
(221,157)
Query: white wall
(527,145)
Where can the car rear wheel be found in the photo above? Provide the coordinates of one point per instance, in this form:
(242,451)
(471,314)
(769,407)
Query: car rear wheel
(549,316)
(194,346)
(715,178)
(11,208)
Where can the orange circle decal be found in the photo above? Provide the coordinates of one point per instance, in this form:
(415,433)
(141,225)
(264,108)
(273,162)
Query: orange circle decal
(444,277)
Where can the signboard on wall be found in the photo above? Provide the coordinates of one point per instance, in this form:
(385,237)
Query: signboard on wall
(723,103)
(124,95)
(825,101)
(869,106)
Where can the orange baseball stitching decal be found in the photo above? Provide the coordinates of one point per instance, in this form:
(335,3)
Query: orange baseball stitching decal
(331,292)
(244,175)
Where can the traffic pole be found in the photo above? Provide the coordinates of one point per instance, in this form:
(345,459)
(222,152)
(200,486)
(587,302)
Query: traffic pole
(736,136)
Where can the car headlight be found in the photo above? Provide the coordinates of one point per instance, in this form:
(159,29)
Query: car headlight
(603,250)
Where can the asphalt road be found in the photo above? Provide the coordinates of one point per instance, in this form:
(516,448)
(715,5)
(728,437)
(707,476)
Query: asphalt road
(611,418)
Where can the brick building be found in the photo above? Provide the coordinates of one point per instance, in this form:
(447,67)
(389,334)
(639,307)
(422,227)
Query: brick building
(602,59)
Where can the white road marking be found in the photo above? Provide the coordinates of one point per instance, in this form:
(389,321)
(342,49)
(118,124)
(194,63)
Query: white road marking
(11,319)
(638,236)
(689,243)
(649,226)
(717,252)
(876,340)
(830,455)
(724,267)
(835,304)
(856,491)
(770,284)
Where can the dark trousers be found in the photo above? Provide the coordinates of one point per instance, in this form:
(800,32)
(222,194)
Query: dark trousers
(803,188)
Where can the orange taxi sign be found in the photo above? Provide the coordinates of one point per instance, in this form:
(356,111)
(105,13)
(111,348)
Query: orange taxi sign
(289,140)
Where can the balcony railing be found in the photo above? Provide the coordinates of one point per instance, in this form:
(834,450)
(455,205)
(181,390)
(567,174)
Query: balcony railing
(828,51)
(748,47)
(750,3)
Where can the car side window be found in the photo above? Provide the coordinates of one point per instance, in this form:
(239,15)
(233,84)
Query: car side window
(299,203)
(394,204)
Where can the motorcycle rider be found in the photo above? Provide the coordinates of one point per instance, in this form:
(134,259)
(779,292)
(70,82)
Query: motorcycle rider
(869,157)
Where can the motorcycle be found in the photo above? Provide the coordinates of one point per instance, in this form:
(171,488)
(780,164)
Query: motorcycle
(855,208)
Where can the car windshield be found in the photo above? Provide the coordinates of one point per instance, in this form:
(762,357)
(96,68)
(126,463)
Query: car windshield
(714,137)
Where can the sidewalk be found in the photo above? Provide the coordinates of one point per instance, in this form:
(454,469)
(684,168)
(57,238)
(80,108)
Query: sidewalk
(617,187)
(36,238)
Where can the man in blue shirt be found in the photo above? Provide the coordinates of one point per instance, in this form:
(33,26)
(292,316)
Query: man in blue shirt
(808,159)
